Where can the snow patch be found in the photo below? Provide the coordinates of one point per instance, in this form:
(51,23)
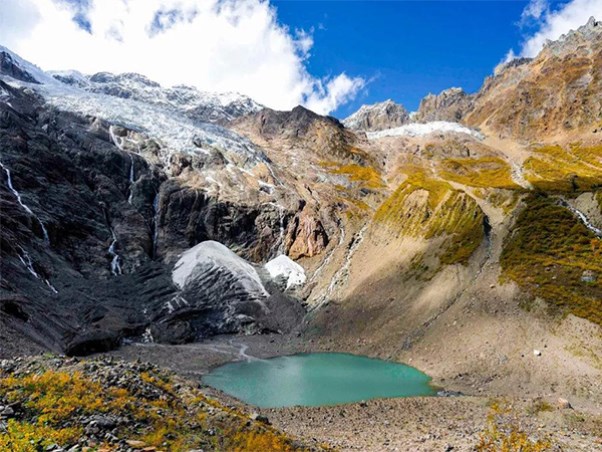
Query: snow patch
(417,130)
(284,267)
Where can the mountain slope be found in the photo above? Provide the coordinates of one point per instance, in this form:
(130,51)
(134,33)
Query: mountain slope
(457,246)
(106,191)
(550,97)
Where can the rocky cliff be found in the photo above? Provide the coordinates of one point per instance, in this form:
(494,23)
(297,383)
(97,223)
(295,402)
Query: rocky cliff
(380,116)
(100,203)
(450,105)
(95,216)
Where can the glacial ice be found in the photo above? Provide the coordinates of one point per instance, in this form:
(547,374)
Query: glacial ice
(209,255)
(164,122)
(416,130)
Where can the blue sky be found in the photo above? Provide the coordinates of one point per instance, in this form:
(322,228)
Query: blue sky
(407,48)
(331,56)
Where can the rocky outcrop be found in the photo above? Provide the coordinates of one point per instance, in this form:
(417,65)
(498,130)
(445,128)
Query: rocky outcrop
(186,216)
(449,105)
(379,116)
(323,136)
(9,67)
(307,236)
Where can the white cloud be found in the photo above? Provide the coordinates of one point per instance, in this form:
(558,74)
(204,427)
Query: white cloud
(534,10)
(554,23)
(337,91)
(215,45)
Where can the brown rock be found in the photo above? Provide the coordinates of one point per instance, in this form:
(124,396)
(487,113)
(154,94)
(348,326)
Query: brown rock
(307,237)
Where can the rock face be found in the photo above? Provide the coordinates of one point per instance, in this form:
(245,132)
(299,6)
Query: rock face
(379,116)
(450,105)
(9,67)
(186,216)
(308,237)
(90,230)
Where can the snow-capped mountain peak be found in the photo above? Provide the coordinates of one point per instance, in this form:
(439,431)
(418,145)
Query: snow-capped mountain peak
(217,108)
(182,118)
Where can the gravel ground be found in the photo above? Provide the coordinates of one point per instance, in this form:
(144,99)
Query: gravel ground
(411,424)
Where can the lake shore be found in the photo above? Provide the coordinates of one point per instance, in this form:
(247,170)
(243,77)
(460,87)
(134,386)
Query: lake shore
(417,424)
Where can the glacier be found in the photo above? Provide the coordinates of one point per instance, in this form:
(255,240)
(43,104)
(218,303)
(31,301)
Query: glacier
(417,130)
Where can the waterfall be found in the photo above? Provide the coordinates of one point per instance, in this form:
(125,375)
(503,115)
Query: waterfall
(28,264)
(26,261)
(22,204)
(156,218)
(50,286)
(115,139)
(115,265)
(132,177)
(131,169)
(118,142)
(281,237)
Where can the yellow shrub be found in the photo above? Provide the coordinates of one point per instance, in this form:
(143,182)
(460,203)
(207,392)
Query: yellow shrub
(31,437)
(445,212)
(503,433)
(547,254)
(487,172)
(169,419)
(365,176)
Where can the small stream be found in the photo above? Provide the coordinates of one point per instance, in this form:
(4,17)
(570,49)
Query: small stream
(583,218)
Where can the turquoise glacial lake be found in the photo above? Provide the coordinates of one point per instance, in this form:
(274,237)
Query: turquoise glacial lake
(316,379)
